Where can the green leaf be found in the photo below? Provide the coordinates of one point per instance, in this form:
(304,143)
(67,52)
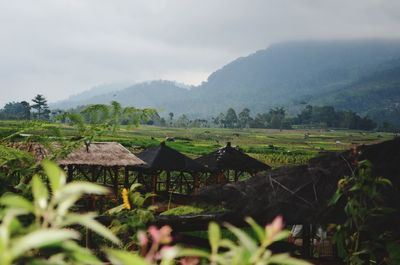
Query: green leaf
(244,239)
(260,232)
(41,238)
(214,235)
(135,186)
(192,252)
(80,254)
(16,201)
(335,198)
(384,181)
(87,220)
(40,192)
(80,187)
(55,175)
(115,209)
(119,257)
(287,260)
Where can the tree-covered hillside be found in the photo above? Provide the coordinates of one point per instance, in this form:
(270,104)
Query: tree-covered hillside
(356,75)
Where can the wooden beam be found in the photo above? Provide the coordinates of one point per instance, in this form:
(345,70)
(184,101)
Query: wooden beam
(70,172)
(115,181)
(126,178)
(168,181)
(306,240)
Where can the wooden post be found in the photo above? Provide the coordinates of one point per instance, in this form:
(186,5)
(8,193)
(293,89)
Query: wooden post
(70,173)
(115,180)
(181,183)
(126,180)
(168,181)
(236,176)
(306,240)
(195,182)
(140,177)
(154,184)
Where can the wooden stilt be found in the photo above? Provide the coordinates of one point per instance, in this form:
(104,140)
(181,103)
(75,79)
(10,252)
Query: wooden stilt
(70,173)
(306,240)
(154,187)
(236,176)
(126,178)
(168,181)
(195,182)
(115,180)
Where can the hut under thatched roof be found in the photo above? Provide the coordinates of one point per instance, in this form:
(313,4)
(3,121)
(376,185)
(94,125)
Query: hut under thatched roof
(301,193)
(106,154)
(229,158)
(165,159)
(102,159)
(162,157)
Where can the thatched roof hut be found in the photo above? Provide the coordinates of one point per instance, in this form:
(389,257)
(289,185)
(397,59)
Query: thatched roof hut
(165,158)
(230,158)
(105,154)
(301,193)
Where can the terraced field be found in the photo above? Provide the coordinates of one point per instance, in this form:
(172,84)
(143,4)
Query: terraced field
(273,147)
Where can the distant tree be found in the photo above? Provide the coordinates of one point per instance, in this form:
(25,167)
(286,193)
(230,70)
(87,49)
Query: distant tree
(163,123)
(261,120)
(244,118)
(231,119)
(182,121)
(41,107)
(171,117)
(327,116)
(277,116)
(16,111)
(26,110)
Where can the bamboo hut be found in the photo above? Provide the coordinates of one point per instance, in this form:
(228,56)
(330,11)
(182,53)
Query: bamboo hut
(228,158)
(102,162)
(161,159)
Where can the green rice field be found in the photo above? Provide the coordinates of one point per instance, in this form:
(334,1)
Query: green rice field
(274,147)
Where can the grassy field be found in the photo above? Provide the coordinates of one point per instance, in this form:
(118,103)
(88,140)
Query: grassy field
(273,147)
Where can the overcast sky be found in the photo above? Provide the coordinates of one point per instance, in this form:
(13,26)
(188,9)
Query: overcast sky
(62,47)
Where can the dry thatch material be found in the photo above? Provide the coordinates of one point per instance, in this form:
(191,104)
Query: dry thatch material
(230,158)
(163,157)
(107,154)
(38,151)
(301,193)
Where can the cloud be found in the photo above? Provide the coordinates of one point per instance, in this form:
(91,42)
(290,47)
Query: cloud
(61,47)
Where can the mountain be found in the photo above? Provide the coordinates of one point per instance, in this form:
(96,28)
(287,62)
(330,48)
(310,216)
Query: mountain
(338,73)
(74,100)
(156,94)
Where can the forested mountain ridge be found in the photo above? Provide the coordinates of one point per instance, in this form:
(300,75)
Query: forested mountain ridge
(339,73)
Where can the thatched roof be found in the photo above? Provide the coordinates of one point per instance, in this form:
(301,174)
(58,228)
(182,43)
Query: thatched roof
(38,151)
(107,154)
(231,158)
(163,157)
(301,193)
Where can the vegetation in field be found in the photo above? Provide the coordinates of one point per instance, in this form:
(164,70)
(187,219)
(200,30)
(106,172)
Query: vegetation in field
(365,236)
(193,209)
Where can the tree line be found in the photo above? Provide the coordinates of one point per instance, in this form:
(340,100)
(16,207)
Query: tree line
(24,110)
(275,118)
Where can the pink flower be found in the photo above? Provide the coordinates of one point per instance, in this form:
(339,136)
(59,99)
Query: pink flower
(162,235)
(274,228)
(142,237)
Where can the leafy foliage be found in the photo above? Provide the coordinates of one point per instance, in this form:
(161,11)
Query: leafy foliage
(132,215)
(41,230)
(362,237)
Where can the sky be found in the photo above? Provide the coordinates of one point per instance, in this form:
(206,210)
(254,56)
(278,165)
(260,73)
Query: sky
(63,47)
